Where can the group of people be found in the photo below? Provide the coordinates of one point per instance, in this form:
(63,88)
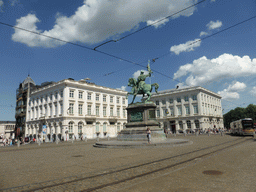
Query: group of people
(7,142)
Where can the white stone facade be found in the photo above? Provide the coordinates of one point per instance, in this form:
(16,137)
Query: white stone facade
(71,109)
(7,129)
(188,109)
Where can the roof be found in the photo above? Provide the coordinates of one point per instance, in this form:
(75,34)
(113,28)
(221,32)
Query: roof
(27,81)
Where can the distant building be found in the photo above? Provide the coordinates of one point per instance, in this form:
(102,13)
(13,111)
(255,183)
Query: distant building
(188,109)
(7,129)
(21,105)
(71,109)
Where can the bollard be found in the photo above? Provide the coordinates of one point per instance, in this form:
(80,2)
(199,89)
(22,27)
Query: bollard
(72,140)
(18,143)
(57,141)
(184,134)
(197,134)
(85,139)
(208,134)
(108,138)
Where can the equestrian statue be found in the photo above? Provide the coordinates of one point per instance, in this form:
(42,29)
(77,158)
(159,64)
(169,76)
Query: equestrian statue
(140,87)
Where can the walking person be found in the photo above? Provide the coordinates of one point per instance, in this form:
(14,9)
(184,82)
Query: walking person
(149,135)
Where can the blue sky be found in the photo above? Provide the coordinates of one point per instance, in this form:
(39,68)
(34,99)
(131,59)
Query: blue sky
(224,63)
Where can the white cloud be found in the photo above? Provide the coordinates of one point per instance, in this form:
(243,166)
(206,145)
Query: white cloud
(185,47)
(96,21)
(203,33)
(214,25)
(160,23)
(232,91)
(137,73)
(1,3)
(205,70)
(122,88)
(253,91)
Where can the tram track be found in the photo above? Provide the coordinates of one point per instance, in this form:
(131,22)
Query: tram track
(111,178)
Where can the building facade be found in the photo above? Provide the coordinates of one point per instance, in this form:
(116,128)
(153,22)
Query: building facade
(70,109)
(7,129)
(188,109)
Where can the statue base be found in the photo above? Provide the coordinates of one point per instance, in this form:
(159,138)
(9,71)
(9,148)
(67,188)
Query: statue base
(140,117)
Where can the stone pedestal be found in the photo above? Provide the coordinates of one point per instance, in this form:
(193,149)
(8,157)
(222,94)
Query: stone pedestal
(140,117)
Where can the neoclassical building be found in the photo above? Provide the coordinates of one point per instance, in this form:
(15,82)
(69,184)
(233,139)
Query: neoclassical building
(188,109)
(70,109)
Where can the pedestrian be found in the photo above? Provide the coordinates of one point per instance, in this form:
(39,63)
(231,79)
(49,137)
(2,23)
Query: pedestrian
(149,135)
(82,138)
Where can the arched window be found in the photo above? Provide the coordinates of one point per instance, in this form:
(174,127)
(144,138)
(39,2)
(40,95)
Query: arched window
(80,127)
(70,127)
(105,127)
(180,124)
(97,127)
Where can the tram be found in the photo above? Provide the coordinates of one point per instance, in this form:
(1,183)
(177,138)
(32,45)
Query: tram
(242,127)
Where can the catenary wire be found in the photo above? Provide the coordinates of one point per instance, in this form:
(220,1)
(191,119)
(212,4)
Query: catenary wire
(150,24)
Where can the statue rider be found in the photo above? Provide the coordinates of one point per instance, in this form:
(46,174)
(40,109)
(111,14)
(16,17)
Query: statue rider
(141,79)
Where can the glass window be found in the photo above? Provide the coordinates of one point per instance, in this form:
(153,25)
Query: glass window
(61,108)
(104,127)
(89,109)
(50,110)
(197,124)
(189,124)
(104,98)
(157,102)
(61,94)
(111,111)
(89,96)
(111,99)
(97,110)
(97,97)
(171,112)
(118,112)
(194,97)
(98,127)
(178,99)
(80,109)
(187,110)
(80,128)
(55,110)
(71,93)
(180,124)
(41,100)
(104,111)
(179,111)
(165,111)
(80,95)
(70,127)
(163,102)
(124,113)
(71,108)
(195,109)
(171,100)
(123,100)
(158,113)
(186,98)
(118,127)
(117,100)
(56,95)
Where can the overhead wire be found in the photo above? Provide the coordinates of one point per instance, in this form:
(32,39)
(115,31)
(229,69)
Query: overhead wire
(143,28)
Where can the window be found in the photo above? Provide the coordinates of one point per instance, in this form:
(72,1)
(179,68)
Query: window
(71,108)
(56,95)
(194,97)
(45,111)
(189,124)
(80,95)
(80,128)
(111,99)
(165,111)
(97,127)
(97,110)
(157,102)
(187,110)
(50,110)
(118,127)
(117,100)
(104,111)
(70,127)
(186,98)
(46,99)
(80,109)
(124,113)
(104,98)
(180,124)
(71,93)
(89,96)
(51,96)
(41,100)
(197,124)
(163,102)
(55,110)
(171,112)
(118,112)
(61,94)
(123,100)
(89,109)
(178,99)
(111,111)
(104,127)
(97,97)
(171,100)
(179,111)
(158,113)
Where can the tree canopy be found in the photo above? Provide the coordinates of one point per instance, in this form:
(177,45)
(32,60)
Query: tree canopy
(239,113)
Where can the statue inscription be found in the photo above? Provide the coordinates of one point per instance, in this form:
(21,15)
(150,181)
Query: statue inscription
(136,116)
